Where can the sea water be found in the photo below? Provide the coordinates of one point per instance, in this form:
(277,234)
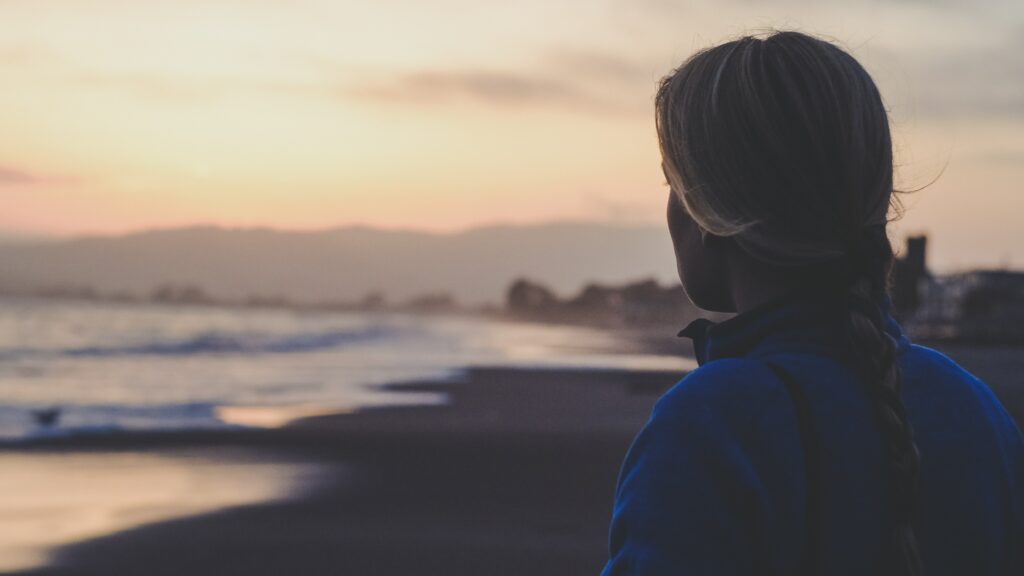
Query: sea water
(105,366)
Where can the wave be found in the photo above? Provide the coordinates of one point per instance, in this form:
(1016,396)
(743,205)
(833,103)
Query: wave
(244,343)
(18,423)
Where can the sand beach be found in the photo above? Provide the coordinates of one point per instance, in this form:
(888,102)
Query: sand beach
(514,475)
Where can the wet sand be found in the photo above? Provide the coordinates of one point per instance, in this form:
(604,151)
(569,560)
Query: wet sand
(514,476)
(57,498)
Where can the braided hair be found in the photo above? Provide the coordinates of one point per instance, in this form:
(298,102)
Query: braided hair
(782,144)
(875,356)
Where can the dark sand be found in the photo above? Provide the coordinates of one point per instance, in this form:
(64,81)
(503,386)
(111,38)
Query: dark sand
(514,476)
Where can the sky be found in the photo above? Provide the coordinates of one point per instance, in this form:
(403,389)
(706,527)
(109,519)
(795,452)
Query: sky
(122,115)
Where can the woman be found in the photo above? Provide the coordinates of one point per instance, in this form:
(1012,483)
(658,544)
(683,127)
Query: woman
(814,438)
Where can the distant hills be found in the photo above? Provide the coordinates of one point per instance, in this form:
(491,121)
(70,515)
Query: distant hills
(344,264)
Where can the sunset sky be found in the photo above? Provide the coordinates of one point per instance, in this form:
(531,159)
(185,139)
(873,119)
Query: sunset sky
(120,115)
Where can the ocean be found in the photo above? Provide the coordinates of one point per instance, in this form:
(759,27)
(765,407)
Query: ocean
(102,367)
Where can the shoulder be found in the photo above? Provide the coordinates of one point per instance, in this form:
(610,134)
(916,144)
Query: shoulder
(729,389)
(698,428)
(943,380)
(686,486)
(941,372)
(702,432)
(935,363)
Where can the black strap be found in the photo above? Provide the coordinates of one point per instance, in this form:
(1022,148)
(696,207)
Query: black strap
(812,471)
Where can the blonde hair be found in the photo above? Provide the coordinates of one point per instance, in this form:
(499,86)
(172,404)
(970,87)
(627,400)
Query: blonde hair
(761,139)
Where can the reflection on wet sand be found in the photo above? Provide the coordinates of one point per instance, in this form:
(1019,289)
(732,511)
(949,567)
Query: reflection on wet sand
(65,497)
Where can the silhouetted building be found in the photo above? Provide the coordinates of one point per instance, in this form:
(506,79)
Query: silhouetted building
(638,304)
(180,294)
(374,300)
(981,306)
(909,274)
(597,304)
(431,303)
(646,302)
(529,298)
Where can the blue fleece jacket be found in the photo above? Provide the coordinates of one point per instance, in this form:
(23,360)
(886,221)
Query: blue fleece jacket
(714,484)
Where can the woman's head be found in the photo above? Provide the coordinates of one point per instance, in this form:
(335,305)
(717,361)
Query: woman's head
(779,158)
(779,144)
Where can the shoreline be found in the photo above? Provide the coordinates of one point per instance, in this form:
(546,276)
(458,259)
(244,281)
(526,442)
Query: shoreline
(495,400)
(514,475)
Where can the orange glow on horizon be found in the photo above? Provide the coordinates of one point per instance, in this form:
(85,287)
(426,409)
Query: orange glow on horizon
(118,117)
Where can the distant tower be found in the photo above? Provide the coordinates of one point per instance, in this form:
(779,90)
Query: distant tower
(907,274)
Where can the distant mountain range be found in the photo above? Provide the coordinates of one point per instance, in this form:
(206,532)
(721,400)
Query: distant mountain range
(344,264)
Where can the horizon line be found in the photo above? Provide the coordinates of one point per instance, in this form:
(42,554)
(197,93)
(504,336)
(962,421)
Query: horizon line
(33,236)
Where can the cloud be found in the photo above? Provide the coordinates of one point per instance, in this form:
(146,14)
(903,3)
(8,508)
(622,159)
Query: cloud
(154,86)
(501,87)
(11,176)
(1003,156)
(599,66)
(488,86)
(985,82)
(580,79)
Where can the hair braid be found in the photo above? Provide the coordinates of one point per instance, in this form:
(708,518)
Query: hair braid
(875,355)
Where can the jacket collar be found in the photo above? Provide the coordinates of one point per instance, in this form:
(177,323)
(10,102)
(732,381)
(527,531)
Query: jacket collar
(807,317)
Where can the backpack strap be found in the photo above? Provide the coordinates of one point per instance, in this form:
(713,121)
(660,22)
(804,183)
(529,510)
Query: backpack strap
(810,562)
